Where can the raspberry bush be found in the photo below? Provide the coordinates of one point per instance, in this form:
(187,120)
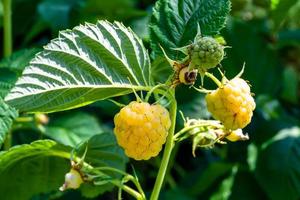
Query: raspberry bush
(132,84)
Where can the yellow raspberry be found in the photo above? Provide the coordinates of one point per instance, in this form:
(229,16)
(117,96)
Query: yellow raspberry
(141,129)
(232,104)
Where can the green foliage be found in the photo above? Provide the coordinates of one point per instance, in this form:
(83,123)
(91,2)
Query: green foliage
(224,190)
(280,11)
(12,67)
(174,23)
(39,167)
(89,63)
(102,150)
(7,115)
(277,168)
(72,128)
(249,41)
(31,169)
(97,61)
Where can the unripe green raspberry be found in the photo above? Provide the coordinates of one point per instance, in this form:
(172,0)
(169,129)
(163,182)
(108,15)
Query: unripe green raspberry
(232,104)
(206,53)
(141,129)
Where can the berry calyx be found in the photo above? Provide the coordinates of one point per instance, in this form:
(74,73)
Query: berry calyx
(232,104)
(141,129)
(187,77)
(205,53)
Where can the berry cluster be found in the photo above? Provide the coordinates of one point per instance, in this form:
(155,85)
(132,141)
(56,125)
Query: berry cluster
(232,104)
(141,129)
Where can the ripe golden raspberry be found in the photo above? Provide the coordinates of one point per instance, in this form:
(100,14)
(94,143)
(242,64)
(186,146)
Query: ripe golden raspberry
(141,129)
(232,104)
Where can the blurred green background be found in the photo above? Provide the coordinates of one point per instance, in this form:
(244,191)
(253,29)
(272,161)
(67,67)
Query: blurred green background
(263,34)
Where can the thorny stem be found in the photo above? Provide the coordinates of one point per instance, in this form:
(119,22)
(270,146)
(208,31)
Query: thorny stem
(167,152)
(7,30)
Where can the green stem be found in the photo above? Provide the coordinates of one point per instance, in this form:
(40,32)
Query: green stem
(127,189)
(167,152)
(7,35)
(213,78)
(130,177)
(188,128)
(8,141)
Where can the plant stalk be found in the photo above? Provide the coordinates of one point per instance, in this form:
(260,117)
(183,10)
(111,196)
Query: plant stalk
(167,152)
(7,28)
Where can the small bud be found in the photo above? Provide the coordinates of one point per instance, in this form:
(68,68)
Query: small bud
(73,180)
(237,135)
(41,118)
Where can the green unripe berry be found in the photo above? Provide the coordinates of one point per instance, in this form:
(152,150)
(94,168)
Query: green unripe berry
(205,53)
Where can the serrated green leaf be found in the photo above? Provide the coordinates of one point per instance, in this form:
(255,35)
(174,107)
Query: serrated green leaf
(18,60)
(12,67)
(277,169)
(174,23)
(71,128)
(7,115)
(83,65)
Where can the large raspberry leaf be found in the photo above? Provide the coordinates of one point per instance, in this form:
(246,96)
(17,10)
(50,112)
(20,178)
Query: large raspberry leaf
(72,127)
(89,63)
(39,167)
(174,23)
(277,166)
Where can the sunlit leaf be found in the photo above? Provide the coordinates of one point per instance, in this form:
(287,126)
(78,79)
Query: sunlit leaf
(174,23)
(83,65)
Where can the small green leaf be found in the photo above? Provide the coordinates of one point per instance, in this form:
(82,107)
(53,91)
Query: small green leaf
(277,169)
(89,63)
(174,23)
(7,115)
(71,128)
